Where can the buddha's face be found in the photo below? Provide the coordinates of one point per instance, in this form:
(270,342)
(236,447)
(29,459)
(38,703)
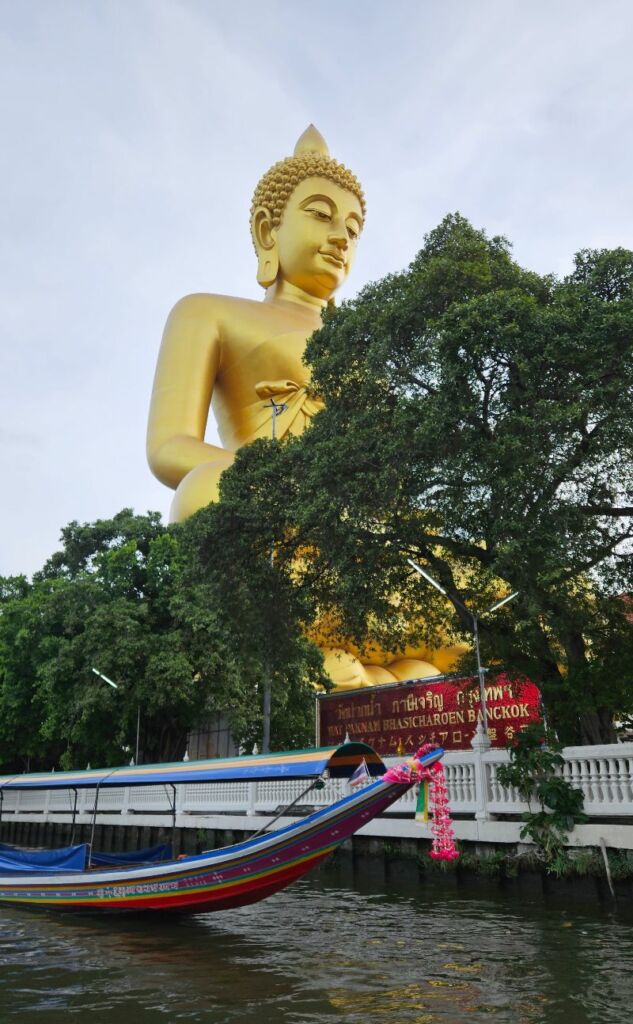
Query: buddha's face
(316,240)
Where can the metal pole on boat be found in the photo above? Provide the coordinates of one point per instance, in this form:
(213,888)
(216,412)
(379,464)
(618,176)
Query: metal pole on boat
(94,818)
(72,834)
(103,779)
(138,730)
(276,408)
(173,820)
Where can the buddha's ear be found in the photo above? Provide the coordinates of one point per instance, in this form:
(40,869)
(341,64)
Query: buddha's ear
(266,244)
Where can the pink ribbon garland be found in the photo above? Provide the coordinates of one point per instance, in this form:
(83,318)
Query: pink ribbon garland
(443,845)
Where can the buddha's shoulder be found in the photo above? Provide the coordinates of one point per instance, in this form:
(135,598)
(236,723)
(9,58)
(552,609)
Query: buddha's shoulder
(207,305)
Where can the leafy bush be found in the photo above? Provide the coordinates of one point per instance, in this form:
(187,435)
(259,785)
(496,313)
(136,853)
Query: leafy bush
(534,772)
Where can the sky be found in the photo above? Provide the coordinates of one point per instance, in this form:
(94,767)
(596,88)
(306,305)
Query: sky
(132,135)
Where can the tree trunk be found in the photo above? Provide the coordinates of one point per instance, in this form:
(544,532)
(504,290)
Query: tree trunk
(597,727)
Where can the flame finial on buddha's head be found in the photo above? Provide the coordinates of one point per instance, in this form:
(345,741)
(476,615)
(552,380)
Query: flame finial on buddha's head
(311,142)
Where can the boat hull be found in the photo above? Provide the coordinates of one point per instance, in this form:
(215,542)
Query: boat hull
(218,880)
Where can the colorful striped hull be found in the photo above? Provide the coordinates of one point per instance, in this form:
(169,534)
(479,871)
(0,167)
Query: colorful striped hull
(217,880)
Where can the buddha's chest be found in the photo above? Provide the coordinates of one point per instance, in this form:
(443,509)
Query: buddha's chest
(267,358)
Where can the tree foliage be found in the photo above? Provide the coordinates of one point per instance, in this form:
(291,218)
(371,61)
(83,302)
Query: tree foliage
(183,632)
(234,571)
(102,601)
(478,420)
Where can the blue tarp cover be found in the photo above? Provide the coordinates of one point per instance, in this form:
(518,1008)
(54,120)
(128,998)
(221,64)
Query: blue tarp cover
(30,862)
(153,853)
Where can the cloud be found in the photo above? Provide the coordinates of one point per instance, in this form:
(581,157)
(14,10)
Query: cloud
(133,136)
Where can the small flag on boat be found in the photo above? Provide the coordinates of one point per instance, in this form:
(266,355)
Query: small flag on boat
(422,806)
(359,776)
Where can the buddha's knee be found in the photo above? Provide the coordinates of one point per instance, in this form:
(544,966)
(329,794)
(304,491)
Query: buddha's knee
(347,672)
(198,488)
(404,669)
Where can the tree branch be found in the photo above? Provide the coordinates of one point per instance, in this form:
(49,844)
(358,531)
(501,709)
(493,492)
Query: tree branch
(622,511)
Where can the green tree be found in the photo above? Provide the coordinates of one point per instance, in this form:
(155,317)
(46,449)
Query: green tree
(477,419)
(186,630)
(103,600)
(21,613)
(234,584)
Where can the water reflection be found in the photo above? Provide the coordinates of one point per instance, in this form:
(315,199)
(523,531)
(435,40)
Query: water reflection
(327,951)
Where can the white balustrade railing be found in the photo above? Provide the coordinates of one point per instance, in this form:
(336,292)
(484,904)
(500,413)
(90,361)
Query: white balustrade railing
(604,774)
(500,799)
(461,778)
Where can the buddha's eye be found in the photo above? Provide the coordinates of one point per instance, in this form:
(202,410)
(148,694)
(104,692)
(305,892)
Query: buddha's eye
(319,214)
(352,232)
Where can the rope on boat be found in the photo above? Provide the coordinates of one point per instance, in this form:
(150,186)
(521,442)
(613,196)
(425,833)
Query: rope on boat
(315,784)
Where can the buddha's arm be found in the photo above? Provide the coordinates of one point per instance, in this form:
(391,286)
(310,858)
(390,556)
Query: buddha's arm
(185,375)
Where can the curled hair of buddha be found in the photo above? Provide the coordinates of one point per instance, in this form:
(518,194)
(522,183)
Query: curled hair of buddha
(311,158)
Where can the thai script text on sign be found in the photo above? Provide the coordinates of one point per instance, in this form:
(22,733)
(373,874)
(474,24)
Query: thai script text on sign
(397,719)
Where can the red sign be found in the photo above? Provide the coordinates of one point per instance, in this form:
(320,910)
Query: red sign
(399,718)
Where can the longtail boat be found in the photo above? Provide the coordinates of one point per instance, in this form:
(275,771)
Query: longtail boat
(217,879)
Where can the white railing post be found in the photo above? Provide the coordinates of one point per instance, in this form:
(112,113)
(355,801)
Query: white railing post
(251,799)
(480,744)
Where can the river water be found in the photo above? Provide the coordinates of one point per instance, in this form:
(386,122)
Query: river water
(334,947)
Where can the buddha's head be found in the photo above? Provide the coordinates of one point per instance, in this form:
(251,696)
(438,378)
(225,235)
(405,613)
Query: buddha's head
(306,217)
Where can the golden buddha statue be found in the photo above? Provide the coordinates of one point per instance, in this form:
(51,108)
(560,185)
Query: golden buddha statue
(244,358)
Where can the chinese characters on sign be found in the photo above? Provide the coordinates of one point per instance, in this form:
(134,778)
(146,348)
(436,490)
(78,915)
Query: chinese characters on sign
(398,719)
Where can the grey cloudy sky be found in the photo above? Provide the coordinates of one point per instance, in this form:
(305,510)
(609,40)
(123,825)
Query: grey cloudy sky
(132,133)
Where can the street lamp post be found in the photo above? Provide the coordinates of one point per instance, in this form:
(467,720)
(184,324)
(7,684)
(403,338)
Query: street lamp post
(276,409)
(115,686)
(475,621)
